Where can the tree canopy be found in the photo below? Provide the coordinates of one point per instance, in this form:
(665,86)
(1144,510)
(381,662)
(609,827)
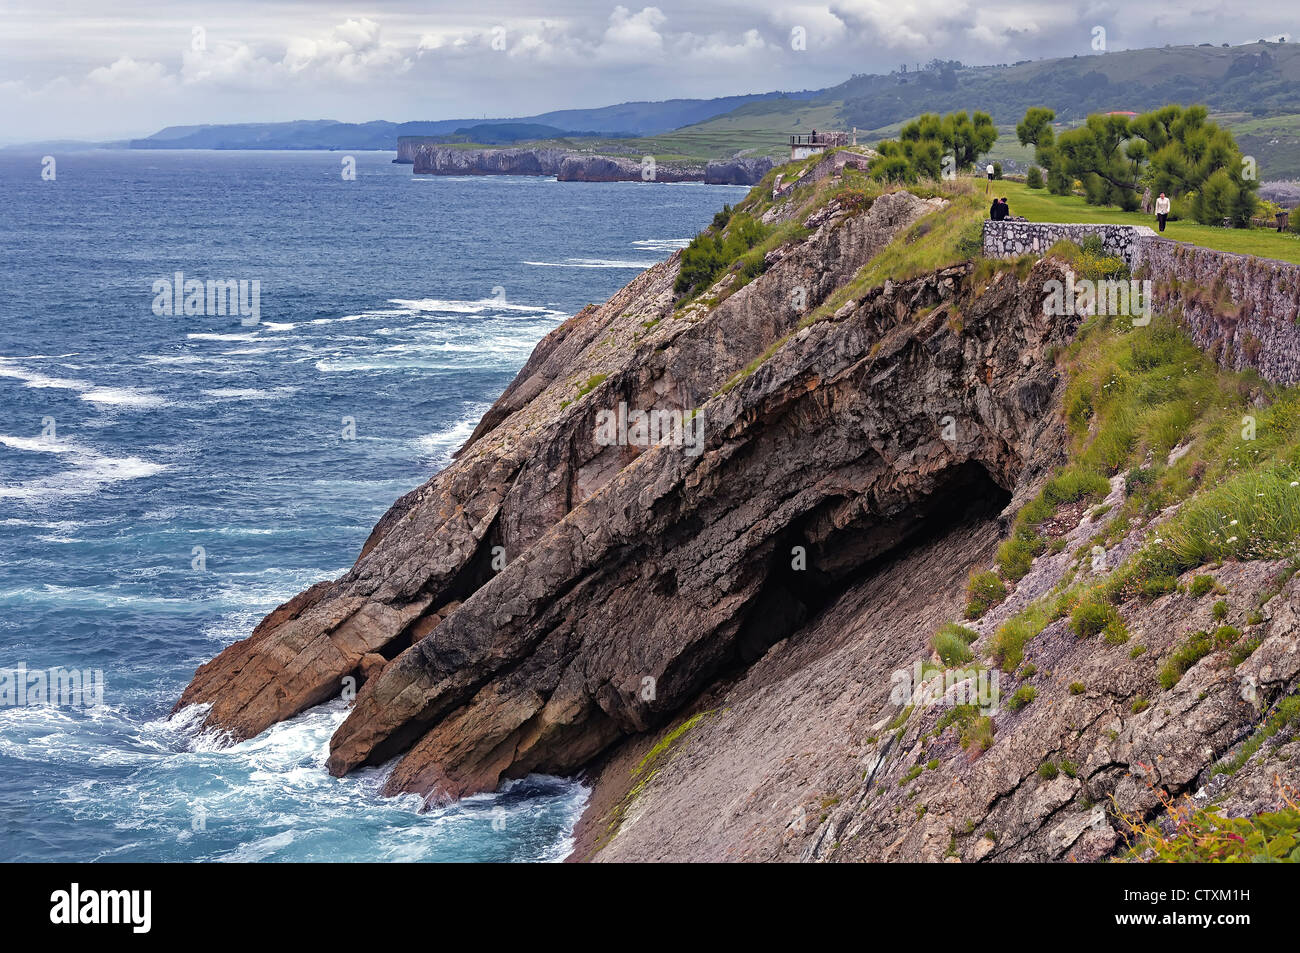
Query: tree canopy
(924,144)
(1174,150)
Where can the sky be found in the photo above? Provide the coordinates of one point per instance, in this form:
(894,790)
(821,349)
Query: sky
(109,69)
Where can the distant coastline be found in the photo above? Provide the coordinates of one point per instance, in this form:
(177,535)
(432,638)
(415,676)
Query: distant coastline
(434,159)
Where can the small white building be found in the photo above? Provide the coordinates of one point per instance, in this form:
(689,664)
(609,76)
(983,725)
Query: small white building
(801,147)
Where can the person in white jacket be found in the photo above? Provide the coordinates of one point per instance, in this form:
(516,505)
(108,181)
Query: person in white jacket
(1162,210)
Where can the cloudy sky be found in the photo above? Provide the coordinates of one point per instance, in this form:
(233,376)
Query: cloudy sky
(98,69)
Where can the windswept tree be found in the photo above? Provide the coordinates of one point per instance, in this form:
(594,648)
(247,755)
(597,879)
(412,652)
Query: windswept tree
(1036,130)
(1172,150)
(926,142)
(1100,154)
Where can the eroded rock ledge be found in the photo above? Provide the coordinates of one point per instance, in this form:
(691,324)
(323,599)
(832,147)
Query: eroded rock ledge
(737,614)
(532,460)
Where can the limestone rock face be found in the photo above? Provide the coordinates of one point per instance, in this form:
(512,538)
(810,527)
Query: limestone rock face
(533,460)
(429,159)
(684,566)
(740,170)
(589,168)
(711,625)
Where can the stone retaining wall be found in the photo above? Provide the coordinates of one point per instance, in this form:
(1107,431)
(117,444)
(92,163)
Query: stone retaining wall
(1011,239)
(1240,309)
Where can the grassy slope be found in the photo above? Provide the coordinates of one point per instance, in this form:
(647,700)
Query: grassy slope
(880,105)
(762,128)
(1039,205)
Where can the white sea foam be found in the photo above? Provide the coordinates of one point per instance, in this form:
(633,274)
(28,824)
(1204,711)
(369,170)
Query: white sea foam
(593,263)
(441,444)
(203,336)
(455,306)
(90,470)
(123,397)
(661,244)
(38,444)
(114,396)
(172,358)
(249,393)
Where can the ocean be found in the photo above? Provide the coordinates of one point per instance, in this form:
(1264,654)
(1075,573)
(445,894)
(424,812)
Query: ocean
(168,478)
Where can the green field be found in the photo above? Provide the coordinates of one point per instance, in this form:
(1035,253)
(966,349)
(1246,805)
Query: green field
(1039,205)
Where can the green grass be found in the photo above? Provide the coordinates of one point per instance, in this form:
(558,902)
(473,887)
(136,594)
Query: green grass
(1094,617)
(1023,696)
(952,645)
(1039,205)
(1184,657)
(973,729)
(983,592)
(1009,641)
(592,383)
(1284,717)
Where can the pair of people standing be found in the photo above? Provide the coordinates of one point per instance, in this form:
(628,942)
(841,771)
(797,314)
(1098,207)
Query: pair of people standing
(1000,210)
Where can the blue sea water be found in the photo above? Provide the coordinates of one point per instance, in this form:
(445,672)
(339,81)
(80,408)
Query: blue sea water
(165,480)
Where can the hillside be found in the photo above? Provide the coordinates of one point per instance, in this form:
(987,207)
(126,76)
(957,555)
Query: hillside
(639,119)
(1253,91)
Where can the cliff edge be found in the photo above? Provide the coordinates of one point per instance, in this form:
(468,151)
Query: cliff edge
(741,543)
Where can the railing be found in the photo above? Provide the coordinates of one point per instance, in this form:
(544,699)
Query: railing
(821,139)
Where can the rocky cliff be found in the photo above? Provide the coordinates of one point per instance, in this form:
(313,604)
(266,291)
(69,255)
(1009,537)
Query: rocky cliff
(433,159)
(449,160)
(712,623)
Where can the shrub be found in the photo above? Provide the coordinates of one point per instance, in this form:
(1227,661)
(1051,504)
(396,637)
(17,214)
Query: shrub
(1184,657)
(1023,696)
(1225,636)
(1201,585)
(1077,688)
(712,252)
(951,647)
(1048,770)
(983,592)
(1091,618)
(1220,611)
(1184,833)
(1034,178)
(1009,641)
(1016,554)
